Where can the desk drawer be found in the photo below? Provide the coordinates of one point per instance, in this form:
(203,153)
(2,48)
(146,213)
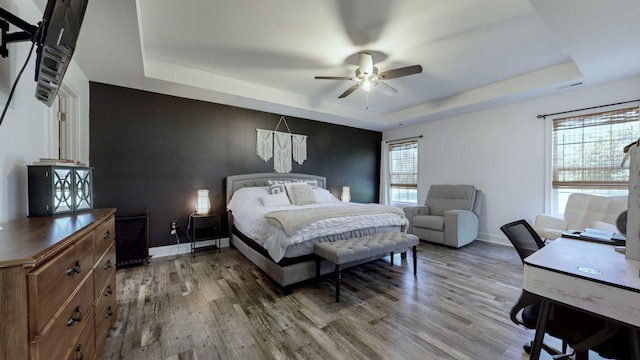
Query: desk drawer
(105,268)
(51,285)
(105,235)
(64,329)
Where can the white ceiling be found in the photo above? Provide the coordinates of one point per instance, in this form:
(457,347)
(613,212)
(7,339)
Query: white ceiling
(264,54)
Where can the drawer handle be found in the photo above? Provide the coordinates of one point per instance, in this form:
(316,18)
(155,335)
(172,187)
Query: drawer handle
(79,353)
(108,291)
(77,317)
(107,234)
(74,269)
(109,313)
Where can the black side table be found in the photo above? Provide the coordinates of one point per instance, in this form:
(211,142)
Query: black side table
(203,227)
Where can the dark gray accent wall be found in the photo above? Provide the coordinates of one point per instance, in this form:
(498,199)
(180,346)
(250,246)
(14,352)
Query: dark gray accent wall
(153,151)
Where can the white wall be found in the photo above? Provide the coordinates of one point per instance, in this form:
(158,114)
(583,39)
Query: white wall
(502,151)
(25,131)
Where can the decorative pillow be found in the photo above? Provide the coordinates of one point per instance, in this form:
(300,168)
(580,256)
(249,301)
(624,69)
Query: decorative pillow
(323,196)
(311,182)
(277,186)
(300,194)
(278,199)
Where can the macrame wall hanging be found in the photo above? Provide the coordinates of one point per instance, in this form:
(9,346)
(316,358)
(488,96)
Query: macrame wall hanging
(282,146)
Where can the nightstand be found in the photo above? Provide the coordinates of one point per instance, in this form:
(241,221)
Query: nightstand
(203,227)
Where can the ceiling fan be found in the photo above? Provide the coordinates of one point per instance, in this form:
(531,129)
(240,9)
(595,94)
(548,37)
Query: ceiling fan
(367,76)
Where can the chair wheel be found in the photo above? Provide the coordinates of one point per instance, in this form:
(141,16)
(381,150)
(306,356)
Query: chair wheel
(527,348)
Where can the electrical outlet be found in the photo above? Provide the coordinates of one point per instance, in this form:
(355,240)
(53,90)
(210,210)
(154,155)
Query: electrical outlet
(174,226)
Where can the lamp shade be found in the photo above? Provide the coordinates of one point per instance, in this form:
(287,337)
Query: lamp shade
(203,206)
(346,194)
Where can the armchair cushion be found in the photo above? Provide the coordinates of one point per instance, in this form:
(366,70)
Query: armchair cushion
(433,222)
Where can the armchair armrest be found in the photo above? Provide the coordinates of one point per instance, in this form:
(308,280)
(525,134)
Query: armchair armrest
(411,211)
(460,227)
(550,227)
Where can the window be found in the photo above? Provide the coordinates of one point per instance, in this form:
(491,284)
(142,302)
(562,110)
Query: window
(587,154)
(403,172)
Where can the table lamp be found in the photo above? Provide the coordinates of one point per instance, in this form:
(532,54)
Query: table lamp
(203,206)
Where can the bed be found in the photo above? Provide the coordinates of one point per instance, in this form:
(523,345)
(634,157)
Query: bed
(285,253)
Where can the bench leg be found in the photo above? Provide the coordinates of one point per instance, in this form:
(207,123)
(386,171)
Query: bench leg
(318,260)
(338,281)
(392,258)
(415,261)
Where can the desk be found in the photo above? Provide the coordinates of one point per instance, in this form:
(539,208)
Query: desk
(589,276)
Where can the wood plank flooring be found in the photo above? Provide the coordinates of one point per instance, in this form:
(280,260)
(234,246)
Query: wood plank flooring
(220,306)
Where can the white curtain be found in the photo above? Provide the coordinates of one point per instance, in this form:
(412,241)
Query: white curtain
(384,173)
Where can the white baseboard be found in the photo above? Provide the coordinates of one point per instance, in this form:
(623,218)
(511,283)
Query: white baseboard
(493,238)
(184,248)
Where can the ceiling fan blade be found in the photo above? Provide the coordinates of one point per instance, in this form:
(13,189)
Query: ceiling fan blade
(333,78)
(349,91)
(386,89)
(400,72)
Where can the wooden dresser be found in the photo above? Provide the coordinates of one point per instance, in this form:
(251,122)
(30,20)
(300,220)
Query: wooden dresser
(57,285)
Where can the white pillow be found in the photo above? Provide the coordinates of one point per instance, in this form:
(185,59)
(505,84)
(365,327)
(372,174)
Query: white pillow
(323,196)
(300,194)
(278,199)
(248,196)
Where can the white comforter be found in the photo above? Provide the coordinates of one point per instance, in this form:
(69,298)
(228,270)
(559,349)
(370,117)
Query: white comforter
(248,213)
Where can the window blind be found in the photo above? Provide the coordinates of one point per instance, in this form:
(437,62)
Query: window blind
(403,164)
(588,149)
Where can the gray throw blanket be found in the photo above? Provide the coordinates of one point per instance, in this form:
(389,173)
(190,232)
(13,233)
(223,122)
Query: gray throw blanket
(291,221)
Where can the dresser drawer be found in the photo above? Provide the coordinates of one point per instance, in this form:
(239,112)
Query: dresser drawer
(51,285)
(85,347)
(105,235)
(105,268)
(106,312)
(64,329)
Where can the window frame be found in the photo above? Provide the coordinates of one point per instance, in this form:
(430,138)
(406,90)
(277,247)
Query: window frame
(64,129)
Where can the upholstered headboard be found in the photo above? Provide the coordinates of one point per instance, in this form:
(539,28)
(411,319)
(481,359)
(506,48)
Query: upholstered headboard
(236,182)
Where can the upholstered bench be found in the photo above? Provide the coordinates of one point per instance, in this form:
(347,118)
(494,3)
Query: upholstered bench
(345,251)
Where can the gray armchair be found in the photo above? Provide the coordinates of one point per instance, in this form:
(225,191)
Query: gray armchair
(450,215)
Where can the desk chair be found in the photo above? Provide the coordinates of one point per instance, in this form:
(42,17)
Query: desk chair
(579,330)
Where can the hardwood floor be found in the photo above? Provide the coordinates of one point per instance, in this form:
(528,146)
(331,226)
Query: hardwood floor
(220,306)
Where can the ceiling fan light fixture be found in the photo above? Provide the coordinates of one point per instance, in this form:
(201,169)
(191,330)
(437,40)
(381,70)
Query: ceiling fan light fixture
(366,84)
(365,61)
(367,81)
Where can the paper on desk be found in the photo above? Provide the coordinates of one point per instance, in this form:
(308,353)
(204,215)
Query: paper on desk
(597,234)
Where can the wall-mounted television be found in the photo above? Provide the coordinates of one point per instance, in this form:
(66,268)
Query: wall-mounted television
(55,40)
